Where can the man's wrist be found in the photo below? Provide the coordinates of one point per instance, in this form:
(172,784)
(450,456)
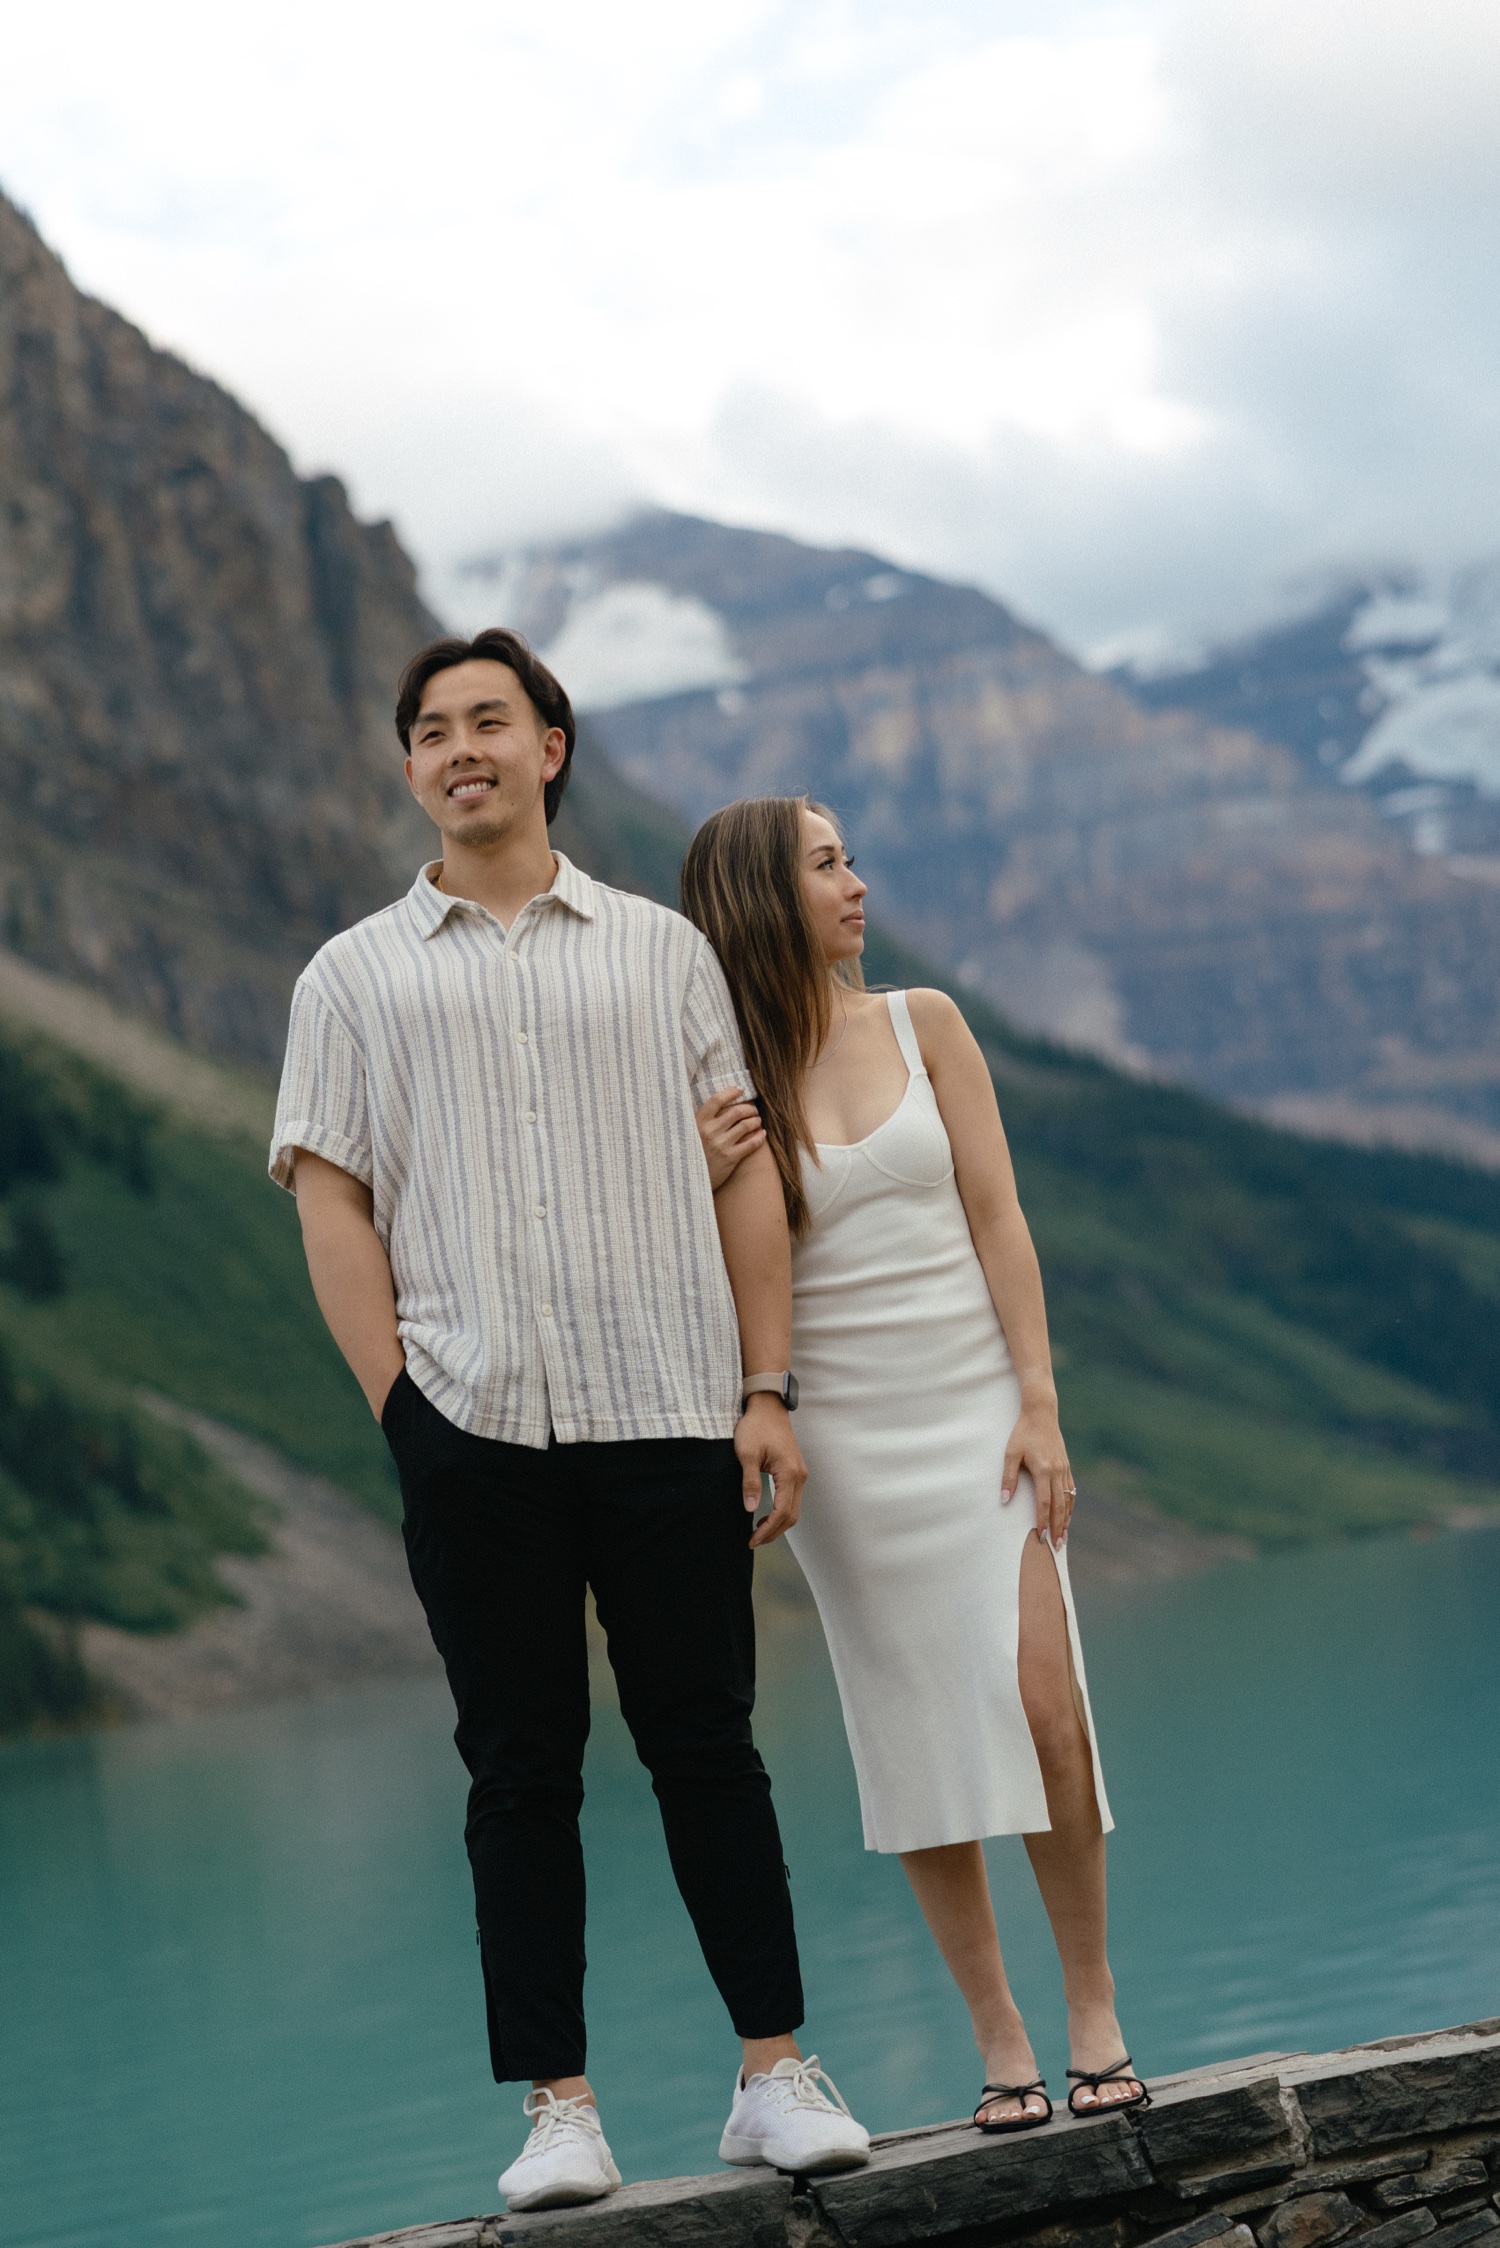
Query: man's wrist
(782,1386)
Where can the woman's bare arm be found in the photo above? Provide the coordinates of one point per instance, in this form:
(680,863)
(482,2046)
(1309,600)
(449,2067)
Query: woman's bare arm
(351,1273)
(1002,1238)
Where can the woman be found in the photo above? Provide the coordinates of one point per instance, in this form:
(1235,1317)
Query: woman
(934,1528)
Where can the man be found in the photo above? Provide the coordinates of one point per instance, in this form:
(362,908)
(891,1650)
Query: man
(487,1116)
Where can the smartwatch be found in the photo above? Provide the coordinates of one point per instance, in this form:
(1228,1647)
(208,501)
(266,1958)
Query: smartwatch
(783,1386)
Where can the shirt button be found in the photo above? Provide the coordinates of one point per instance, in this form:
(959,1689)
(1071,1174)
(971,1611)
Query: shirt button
(541,1209)
(546,1311)
(520,1038)
(528,1116)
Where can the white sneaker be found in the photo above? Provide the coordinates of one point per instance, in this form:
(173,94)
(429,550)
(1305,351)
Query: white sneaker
(565,2159)
(790,2121)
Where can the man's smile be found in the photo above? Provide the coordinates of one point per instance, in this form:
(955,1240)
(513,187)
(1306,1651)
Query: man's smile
(468,786)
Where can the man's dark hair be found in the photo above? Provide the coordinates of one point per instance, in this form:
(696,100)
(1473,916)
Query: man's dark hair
(496,644)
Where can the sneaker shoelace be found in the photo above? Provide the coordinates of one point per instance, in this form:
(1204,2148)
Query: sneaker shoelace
(553,2118)
(807,2086)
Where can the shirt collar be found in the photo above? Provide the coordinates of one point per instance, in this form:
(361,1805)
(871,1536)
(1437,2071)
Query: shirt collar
(573,888)
(430,906)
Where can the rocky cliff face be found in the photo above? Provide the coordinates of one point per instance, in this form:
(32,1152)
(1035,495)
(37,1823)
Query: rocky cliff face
(1167,890)
(197,650)
(198,658)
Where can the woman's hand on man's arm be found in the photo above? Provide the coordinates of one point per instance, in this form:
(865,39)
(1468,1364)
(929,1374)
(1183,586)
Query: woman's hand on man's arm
(350,1272)
(730,1129)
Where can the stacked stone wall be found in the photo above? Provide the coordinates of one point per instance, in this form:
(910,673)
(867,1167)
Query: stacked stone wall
(1379,2146)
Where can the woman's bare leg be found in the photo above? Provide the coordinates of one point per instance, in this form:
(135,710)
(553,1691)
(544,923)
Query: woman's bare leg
(1069,1861)
(951,1887)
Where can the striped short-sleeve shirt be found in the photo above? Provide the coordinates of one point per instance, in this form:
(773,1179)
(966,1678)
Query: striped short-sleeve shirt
(520,1103)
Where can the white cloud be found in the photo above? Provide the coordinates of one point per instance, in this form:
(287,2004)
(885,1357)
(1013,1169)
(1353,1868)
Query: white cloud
(631,641)
(1131,309)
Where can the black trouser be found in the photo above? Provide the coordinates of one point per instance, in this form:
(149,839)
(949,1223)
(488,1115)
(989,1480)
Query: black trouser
(502,1540)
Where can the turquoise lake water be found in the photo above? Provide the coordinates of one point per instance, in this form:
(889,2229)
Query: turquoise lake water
(239,1995)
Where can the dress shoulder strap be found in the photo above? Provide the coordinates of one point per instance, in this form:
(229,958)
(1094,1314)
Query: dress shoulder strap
(906,1037)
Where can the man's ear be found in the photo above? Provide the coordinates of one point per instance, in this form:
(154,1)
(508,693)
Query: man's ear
(554,750)
(411,784)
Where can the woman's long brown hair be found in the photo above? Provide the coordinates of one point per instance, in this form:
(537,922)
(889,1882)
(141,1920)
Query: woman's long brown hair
(742,886)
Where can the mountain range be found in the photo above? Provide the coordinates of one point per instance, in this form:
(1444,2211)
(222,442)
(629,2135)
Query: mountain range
(1265,877)
(1176,875)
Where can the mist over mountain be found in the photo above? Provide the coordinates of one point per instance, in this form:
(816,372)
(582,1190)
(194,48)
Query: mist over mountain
(1177,876)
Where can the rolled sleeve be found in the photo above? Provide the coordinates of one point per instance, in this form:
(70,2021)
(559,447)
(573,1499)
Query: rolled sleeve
(710,1031)
(322,1104)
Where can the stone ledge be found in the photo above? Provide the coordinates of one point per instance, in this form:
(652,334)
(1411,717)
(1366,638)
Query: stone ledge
(1438,2085)
(1291,2142)
(933,2189)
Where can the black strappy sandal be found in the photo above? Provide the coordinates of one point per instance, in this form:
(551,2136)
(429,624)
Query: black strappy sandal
(1036,2089)
(1097,2076)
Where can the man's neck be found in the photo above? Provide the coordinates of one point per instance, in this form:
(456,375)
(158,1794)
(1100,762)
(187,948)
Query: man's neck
(502,877)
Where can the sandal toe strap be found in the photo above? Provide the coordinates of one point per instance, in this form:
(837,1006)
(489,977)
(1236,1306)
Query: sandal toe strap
(1036,2089)
(1098,2076)
(1095,2078)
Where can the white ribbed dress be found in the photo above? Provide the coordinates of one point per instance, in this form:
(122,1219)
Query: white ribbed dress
(907,1401)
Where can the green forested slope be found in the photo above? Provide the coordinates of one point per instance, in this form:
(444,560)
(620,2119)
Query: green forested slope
(1255,1333)
(104,1512)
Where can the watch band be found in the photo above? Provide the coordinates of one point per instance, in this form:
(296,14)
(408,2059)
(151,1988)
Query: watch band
(783,1386)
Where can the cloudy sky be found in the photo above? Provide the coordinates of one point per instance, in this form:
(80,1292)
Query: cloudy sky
(1146,316)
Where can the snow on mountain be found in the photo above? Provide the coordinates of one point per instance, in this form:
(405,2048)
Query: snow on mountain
(1432,659)
(1392,687)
